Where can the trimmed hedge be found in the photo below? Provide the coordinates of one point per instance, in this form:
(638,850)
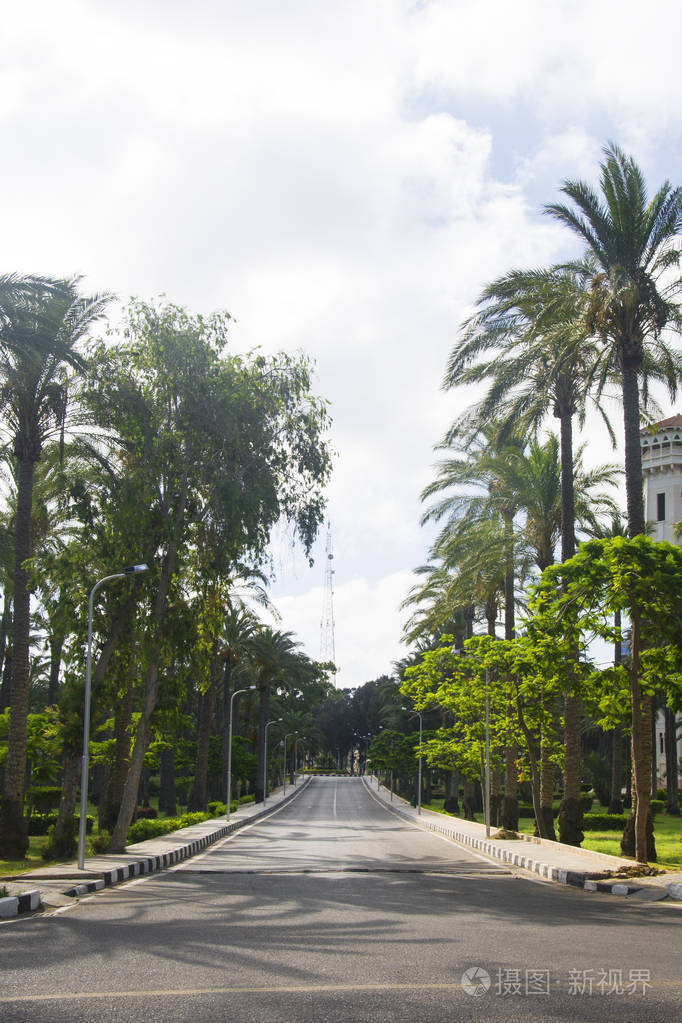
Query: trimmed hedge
(140,831)
(39,824)
(605,821)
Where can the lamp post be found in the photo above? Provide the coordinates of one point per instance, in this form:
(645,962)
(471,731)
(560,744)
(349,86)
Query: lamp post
(131,570)
(301,738)
(419,773)
(228,785)
(275,721)
(284,762)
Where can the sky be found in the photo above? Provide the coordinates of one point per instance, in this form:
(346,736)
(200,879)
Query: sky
(343,177)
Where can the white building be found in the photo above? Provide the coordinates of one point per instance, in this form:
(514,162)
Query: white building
(662,470)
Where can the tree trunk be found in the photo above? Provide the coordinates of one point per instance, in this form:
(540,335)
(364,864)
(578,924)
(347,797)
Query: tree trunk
(640,822)
(167,796)
(616,801)
(451,801)
(495,796)
(4,631)
(510,804)
(633,451)
(63,843)
(13,824)
(110,803)
(570,808)
(118,838)
(7,680)
(197,799)
(469,799)
(56,646)
(547,773)
(672,803)
(263,718)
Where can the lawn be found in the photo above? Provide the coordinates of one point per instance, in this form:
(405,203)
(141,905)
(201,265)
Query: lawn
(667,832)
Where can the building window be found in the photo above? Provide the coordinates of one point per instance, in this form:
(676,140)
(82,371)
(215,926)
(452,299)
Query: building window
(660,507)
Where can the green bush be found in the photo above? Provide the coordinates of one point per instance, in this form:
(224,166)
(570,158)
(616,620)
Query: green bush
(42,824)
(604,821)
(661,794)
(44,798)
(100,843)
(657,806)
(143,830)
(246,799)
(216,808)
(154,785)
(146,813)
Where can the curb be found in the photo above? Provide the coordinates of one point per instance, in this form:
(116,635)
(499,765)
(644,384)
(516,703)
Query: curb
(30,901)
(575,878)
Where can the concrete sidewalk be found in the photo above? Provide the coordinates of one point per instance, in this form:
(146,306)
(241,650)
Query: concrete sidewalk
(565,864)
(58,884)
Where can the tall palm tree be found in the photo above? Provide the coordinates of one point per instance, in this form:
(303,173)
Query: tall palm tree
(634,291)
(630,238)
(274,654)
(41,323)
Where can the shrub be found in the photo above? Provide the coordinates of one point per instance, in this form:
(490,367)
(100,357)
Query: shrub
(100,843)
(216,808)
(246,799)
(604,821)
(143,830)
(45,798)
(657,806)
(41,825)
(145,813)
(661,794)
(154,785)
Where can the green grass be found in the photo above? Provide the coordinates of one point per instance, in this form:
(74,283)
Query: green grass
(33,860)
(667,833)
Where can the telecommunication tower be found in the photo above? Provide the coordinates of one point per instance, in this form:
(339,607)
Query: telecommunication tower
(327,648)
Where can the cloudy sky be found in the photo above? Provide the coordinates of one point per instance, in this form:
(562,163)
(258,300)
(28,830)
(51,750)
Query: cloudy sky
(342,176)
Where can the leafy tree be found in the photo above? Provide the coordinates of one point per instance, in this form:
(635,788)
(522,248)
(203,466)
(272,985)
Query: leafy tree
(578,598)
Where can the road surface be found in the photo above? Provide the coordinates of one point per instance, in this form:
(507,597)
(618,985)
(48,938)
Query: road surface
(334,910)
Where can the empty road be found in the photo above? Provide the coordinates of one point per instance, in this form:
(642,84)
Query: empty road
(335,910)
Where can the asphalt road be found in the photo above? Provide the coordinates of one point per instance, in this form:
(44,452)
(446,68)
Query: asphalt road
(335,910)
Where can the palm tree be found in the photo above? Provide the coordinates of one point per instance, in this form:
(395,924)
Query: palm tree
(274,654)
(630,237)
(41,323)
(632,300)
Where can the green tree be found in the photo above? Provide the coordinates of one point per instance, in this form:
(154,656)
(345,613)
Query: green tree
(41,325)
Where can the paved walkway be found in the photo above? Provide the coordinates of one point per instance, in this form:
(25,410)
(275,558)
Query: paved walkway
(58,884)
(565,864)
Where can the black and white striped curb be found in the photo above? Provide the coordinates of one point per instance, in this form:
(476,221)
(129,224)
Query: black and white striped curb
(26,902)
(576,878)
(30,901)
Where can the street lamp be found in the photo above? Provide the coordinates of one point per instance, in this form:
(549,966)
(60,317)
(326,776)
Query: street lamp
(229,749)
(284,762)
(301,738)
(131,570)
(419,777)
(275,721)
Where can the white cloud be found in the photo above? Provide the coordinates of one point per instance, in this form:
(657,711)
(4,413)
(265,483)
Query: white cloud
(343,177)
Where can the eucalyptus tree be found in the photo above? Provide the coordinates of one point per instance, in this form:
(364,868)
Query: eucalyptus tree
(209,438)
(42,322)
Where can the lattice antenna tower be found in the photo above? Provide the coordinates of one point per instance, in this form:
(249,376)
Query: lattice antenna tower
(327,647)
